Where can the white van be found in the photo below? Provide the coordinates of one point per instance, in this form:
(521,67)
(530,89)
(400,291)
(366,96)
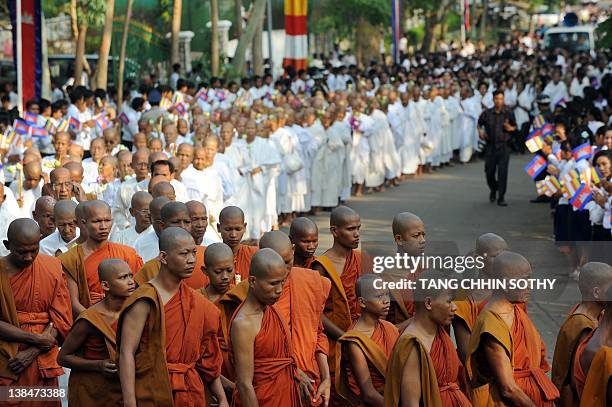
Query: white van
(577,38)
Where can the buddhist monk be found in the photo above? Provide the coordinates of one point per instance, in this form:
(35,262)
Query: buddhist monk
(175,214)
(79,216)
(81,262)
(409,236)
(43,215)
(165,317)
(36,313)
(424,368)
(597,360)
(260,340)
(363,351)
(62,187)
(76,171)
(58,242)
(304,234)
(301,306)
(506,356)
(90,349)
(163,188)
(199,220)
(594,280)
(232,226)
(342,266)
(469,304)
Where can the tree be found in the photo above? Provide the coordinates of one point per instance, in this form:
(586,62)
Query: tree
(214,33)
(255,18)
(177,9)
(257,49)
(238,17)
(89,13)
(101,77)
(124,36)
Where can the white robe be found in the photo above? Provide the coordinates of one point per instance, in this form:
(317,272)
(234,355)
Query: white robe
(318,176)
(253,197)
(127,236)
(147,244)
(557,93)
(333,167)
(28,198)
(204,186)
(438,130)
(123,201)
(423,106)
(375,172)
(9,211)
(309,146)
(291,187)
(455,112)
(524,106)
(54,242)
(360,150)
(347,139)
(469,141)
(413,131)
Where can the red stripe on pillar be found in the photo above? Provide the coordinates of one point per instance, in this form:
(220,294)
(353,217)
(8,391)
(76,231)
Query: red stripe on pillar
(295,25)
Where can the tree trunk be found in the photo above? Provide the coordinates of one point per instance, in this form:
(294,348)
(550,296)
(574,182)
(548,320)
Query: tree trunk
(214,34)
(483,19)
(73,20)
(255,19)
(257,49)
(124,36)
(430,24)
(238,18)
(176,28)
(101,77)
(80,54)
(473,15)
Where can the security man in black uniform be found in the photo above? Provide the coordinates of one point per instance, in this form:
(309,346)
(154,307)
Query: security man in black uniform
(495,126)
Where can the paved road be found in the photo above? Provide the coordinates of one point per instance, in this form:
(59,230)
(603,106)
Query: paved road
(454,205)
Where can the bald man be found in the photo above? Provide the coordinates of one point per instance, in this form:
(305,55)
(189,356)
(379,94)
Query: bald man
(31,188)
(61,186)
(76,152)
(594,280)
(199,222)
(175,214)
(341,264)
(91,164)
(76,171)
(61,141)
(35,320)
(90,349)
(121,213)
(203,181)
(43,215)
(261,345)
(469,305)
(162,188)
(506,359)
(139,216)
(225,167)
(231,228)
(185,156)
(81,262)
(66,231)
(304,235)
(176,327)
(147,244)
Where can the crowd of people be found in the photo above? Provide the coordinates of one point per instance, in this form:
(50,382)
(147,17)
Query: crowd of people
(143,237)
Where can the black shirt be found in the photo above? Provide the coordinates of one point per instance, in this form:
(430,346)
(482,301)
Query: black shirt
(493,123)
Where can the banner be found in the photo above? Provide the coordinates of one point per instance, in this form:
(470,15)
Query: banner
(396,29)
(31,46)
(296,34)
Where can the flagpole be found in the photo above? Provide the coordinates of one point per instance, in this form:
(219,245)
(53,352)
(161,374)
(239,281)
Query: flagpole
(19,57)
(270,52)
(462,6)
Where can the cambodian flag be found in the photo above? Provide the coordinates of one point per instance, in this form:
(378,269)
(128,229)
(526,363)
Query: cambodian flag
(180,109)
(30,118)
(21,127)
(124,119)
(547,132)
(582,152)
(39,132)
(582,197)
(102,122)
(534,141)
(536,166)
(74,124)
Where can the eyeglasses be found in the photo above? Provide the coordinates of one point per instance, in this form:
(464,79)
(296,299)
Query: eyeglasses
(140,165)
(144,212)
(67,185)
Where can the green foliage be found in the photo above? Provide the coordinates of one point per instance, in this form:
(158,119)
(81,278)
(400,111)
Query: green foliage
(604,30)
(166,10)
(336,14)
(91,11)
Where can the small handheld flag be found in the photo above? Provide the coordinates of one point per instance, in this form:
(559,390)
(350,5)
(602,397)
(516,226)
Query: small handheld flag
(538,121)
(180,109)
(535,142)
(536,166)
(62,125)
(7,138)
(552,184)
(50,127)
(571,182)
(582,197)
(596,175)
(124,119)
(74,124)
(21,127)
(102,122)
(39,132)
(582,152)
(30,118)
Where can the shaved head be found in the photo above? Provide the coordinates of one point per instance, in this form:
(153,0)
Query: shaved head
(231,212)
(109,268)
(141,199)
(64,208)
(172,209)
(44,203)
(423,291)
(275,240)
(594,280)
(342,215)
(76,171)
(216,253)
(510,265)
(365,285)
(32,168)
(403,221)
(490,243)
(59,173)
(172,238)
(264,262)
(194,206)
(302,226)
(23,230)
(156,205)
(92,207)
(163,189)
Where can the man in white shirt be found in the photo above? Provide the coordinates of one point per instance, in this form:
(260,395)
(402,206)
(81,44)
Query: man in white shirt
(147,244)
(66,232)
(166,169)
(139,210)
(556,90)
(121,216)
(30,188)
(9,211)
(174,77)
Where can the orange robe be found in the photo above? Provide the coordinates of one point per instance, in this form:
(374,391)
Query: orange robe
(402,304)
(376,350)
(300,305)
(85,270)
(596,386)
(449,371)
(468,310)
(527,353)
(430,393)
(579,374)
(274,364)
(30,300)
(178,344)
(341,306)
(197,280)
(87,388)
(242,261)
(574,327)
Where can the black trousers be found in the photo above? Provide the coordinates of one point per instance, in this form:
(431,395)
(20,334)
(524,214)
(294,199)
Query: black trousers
(497,160)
